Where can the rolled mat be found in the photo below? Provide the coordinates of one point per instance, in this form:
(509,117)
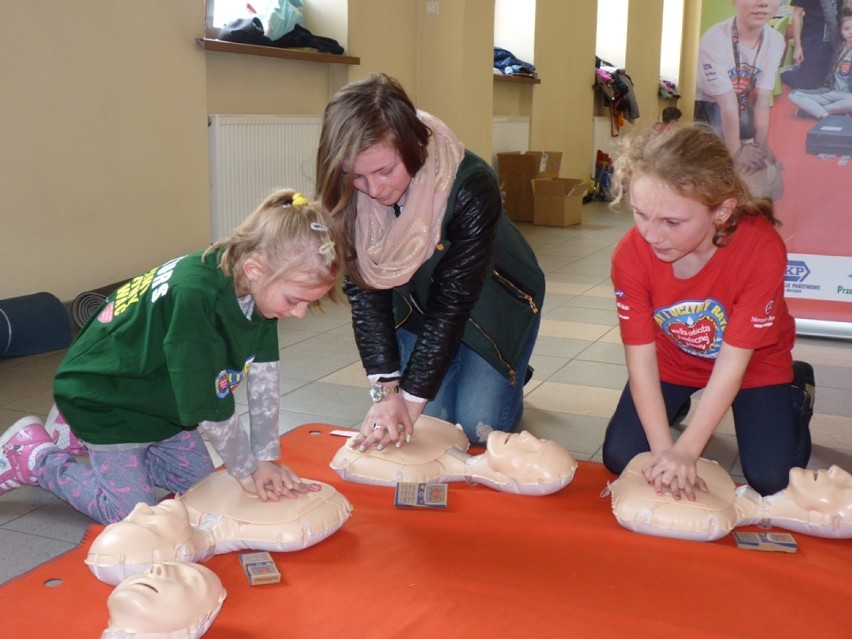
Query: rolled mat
(87,303)
(32,324)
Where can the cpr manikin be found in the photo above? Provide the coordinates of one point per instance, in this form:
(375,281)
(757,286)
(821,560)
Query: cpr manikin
(815,502)
(512,462)
(170,600)
(214,516)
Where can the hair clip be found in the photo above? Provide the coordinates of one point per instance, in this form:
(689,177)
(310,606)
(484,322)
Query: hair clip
(299,199)
(319,228)
(327,248)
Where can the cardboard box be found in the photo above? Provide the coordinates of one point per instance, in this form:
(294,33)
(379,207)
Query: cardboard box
(516,171)
(260,568)
(558,201)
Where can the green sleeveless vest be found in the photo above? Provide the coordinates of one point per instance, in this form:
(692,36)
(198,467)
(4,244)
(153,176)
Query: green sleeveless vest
(506,312)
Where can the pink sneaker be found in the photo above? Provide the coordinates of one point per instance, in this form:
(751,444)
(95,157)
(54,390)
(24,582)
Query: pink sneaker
(61,433)
(19,447)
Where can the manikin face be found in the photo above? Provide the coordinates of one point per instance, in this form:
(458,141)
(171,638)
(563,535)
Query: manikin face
(146,528)
(825,491)
(524,457)
(673,225)
(166,598)
(380,173)
(753,14)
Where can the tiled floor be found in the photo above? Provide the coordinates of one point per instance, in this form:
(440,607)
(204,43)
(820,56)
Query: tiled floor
(579,374)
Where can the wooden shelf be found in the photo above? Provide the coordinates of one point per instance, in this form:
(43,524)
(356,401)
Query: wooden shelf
(517,79)
(209,44)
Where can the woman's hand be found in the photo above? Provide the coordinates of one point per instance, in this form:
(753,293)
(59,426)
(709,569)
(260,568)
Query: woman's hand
(271,481)
(390,420)
(676,472)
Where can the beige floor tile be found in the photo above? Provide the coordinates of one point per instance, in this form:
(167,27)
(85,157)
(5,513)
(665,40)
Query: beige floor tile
(571,398)
(567,288)
(572,330)
(352,375)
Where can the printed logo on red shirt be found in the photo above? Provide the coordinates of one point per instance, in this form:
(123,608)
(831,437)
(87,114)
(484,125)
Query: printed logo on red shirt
(696,327)
(622,305)
(768,318)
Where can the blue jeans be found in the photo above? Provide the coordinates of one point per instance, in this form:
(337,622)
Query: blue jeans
(771,424)
(473,393)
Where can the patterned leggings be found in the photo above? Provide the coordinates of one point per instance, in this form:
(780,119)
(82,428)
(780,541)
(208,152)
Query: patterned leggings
(119,479)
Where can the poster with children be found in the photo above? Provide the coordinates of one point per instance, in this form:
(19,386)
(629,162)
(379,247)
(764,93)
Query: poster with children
(773,79)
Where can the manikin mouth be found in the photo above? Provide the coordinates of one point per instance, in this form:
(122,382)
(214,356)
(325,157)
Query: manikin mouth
(147,585)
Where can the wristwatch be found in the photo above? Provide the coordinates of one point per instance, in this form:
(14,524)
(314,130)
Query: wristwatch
(378,392)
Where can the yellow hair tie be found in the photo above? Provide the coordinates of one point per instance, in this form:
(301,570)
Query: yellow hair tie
(299,199)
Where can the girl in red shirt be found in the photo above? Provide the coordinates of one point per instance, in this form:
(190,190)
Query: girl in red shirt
(699,285)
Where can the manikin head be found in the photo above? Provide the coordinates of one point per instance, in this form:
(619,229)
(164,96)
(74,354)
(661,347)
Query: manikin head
(815,502)
(147,535)
(637,506)
(526,464)
(828,492)
(170,600)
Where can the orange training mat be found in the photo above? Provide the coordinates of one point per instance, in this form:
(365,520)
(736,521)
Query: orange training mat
(491,565)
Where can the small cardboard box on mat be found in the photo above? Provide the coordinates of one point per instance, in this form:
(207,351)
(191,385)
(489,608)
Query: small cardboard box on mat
(516,172)
(558,201)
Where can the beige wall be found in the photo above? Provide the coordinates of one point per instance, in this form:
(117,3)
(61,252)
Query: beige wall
(454,79)
(564,101)
(382,34)
(103,166)
(642,62)
(255,84)
(512,99)
(103,158)
(689,58)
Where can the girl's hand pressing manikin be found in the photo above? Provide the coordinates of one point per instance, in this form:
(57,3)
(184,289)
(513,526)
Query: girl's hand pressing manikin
(271,481)
(676,472)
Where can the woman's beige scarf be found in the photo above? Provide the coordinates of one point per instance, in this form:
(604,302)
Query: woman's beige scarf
(391,249)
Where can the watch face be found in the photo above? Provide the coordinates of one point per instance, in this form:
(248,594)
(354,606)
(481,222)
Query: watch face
(377,392)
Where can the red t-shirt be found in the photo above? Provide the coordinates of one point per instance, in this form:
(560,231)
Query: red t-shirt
(737,297)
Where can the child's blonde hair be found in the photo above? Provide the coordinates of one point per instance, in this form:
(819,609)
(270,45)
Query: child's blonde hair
(694,162)
(289,235)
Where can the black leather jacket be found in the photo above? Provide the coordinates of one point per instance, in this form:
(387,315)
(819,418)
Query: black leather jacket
(451,297)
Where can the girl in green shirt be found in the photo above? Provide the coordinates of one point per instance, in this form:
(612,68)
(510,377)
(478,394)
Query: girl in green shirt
(159,362)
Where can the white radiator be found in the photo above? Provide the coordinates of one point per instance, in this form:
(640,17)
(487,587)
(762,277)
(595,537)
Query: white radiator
(509,133)
(251,156)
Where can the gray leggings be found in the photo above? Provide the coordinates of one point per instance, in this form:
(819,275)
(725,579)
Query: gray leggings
(119,479)
(820,103)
